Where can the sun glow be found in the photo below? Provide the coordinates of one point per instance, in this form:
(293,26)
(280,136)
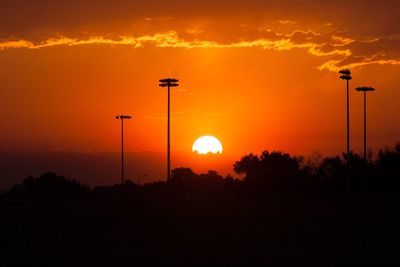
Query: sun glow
(207,144)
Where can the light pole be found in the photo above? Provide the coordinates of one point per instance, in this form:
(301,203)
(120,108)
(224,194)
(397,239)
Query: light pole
(168,82)
(122,118)
(365,90)
(346,75)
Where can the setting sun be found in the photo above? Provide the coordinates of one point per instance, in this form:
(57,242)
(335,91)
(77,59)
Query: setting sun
(207,144)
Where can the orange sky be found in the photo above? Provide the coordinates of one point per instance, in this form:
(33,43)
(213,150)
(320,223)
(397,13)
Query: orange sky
(257,76)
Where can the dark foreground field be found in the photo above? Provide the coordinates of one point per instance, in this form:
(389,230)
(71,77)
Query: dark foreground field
(187,228)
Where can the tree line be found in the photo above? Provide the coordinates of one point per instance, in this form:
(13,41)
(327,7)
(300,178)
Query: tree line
(266,173)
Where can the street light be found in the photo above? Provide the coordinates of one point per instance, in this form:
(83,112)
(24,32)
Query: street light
(346,75)
(365,90)
(122,118)
(168,82)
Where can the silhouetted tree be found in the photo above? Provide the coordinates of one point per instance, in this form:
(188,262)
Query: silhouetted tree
(250,166)
(339,174)
(280,166)
(275,171)
(210,180)
(182,175)
(387,170)
(198,219)
(51,186)
(211,176)
(356,171)
(332,172)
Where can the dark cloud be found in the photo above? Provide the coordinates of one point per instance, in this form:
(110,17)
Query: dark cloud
(348,33)
(21,18)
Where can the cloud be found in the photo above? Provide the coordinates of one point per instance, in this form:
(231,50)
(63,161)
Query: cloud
(15,44)
(335,65)
(338,51)
(66,14)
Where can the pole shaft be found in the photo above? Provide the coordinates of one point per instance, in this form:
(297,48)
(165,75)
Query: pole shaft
(365,125)
(365,143)
(122,152)
(348,122)
(168,145)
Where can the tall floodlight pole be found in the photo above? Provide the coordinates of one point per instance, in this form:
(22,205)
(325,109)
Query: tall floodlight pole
(365,90)
(346,75)
(122,118)
(169,82)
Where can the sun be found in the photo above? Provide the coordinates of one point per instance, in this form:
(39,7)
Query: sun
(207,144)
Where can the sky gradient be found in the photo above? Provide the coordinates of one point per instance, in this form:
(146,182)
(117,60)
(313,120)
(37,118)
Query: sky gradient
(257,75)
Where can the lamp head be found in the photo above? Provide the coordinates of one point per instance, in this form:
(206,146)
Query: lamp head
(346,77)
(123,117)
(345,74)
(170,82)
(365,89)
